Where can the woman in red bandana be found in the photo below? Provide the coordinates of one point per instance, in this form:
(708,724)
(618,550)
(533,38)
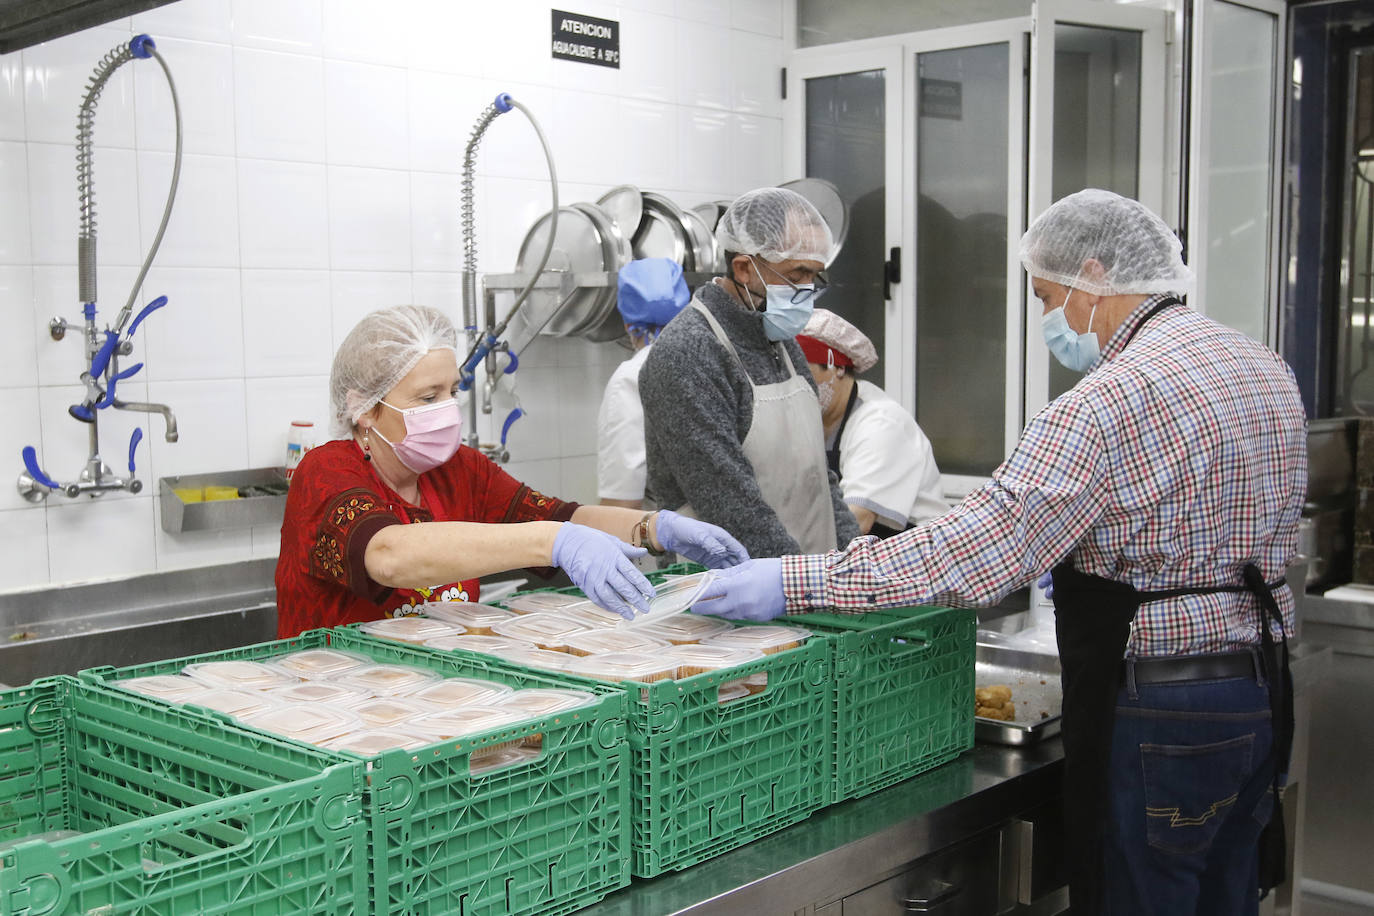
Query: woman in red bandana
(396,513)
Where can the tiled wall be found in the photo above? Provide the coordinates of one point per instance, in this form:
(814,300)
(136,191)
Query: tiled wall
(320,180)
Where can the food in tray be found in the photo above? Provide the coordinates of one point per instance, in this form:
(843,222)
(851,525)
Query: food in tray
(247,675)
(487,645)
(546,631)
(542,602)
(685,628)
(994,702)
(599,642)
(475,618)
(309,664)
(767,639)
(414,630)
(453,692)
(388,680)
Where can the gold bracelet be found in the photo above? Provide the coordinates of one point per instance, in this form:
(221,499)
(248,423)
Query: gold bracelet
(640,536)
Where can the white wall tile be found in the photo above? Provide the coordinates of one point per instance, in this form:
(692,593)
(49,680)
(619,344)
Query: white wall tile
(366,115)
(211,419)
(273,404)
(757,65)
(443,110)
(443,291)
(283,214)
(287,325)
(22,426)
(53,214)
(704,148)
(577,480)
(23,548)
(579,399)
(542,475)
(757,160)
(514,205)
(716,12)
(15,244)
(762,16)
(276,26)
(204,75)
(203,20)
(18,349)
(55,295)
(189,549)
(369,219)
(278,105)
(55,75)
(354,293)
(648,137)
(12,97)
(648,56)
(661,7)
(353,30)
(521,35)
(535,435)
(703,66)
(510,147)
(436,221)
(90,540)
(198,334)
(203,230)
(66,442)
(454,37)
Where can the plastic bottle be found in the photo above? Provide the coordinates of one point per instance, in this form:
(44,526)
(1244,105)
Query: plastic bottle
(299,440)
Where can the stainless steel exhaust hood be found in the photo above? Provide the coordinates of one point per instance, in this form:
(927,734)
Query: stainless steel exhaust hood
(28,22)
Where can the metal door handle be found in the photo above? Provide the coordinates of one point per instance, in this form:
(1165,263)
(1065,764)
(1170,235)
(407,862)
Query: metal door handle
(933,897)
(892,271)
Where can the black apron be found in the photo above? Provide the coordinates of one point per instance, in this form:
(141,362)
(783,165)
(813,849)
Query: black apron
(832,459)
(1093,623)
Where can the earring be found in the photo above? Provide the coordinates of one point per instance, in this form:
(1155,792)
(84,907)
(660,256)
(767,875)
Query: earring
(367,446)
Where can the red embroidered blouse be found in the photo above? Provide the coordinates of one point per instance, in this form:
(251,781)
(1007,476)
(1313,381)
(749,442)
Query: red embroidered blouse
(337,502)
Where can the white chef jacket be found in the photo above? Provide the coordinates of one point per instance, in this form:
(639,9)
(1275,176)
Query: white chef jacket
(886,462)
(620,463)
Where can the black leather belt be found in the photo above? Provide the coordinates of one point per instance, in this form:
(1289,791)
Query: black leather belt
(1175,668)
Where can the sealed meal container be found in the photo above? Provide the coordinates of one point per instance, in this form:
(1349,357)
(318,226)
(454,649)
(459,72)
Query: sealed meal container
(674,597)
(626,639)
(623,666)
(388,680)
(241,674)
(475,618)
(543,602)
(592,615)
(316,692)
(767,639)
(414,630)
(469,720)
(546,631)
(173,688)
(452,692)
(376,741)
(682,629)
(539,701)
(232,701)
(543,659)
(698,659)
(319,664)
(389,712)
(487,645)
(497,758)
(312,724)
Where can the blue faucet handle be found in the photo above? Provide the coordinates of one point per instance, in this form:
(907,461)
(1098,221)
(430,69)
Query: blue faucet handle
(133,444)
(108,398)
(514,415)
(102,356)
(514,362)
(31,465)
(148,309)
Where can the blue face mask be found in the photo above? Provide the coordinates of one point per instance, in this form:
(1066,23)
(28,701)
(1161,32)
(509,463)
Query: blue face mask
(783,318)
(1073,350)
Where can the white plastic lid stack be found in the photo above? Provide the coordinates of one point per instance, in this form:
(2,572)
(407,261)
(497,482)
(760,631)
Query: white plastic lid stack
(376,741)
(311,664)
(547,631)
(487,645)
(388,712)
(453,692)
(623,666)
(599,642)
(544,659)
(698,659)
(318,692)
(487,759)
(674,597)
(542,602)
(590,615)
(767,639)
(170,687)
(233,701)
(732,690)
(540,701)
(414,630)
(685,628)
(388,680)
(472,617)
(312,724)
(470,720)
(248,675)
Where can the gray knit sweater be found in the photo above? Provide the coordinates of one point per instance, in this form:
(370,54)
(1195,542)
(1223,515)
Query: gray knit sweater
(697,410)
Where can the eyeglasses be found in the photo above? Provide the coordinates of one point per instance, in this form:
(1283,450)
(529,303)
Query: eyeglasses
(800,294)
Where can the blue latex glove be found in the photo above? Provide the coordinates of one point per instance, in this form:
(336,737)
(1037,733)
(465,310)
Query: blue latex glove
(749,591)
(699,542)
(599,564)
(1047,583)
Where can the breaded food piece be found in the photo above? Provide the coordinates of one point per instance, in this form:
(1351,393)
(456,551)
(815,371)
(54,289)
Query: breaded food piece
(1004,713)
(993,695)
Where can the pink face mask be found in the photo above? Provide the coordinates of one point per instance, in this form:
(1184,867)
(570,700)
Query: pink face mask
(433,434)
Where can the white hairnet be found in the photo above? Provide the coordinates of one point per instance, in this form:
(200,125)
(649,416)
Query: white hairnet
(777,224)
(1138,251)
(380,350)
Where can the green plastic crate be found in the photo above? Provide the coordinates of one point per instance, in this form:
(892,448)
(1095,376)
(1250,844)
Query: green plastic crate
(903,692)
(547,837)
(174,813)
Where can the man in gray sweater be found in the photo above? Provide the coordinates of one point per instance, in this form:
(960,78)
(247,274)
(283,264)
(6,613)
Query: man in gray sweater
(732,425)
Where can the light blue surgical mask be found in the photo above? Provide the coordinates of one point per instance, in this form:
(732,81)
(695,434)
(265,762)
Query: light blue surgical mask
(784,316)
(1073,350)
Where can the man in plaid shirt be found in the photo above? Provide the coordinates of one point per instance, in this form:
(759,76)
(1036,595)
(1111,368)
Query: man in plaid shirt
(1164,492)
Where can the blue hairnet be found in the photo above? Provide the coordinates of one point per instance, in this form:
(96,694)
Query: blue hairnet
(651,292)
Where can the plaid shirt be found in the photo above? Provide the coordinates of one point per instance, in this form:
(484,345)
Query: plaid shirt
(1171,464)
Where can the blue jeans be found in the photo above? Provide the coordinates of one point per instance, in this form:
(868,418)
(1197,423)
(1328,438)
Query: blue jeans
(1190,791)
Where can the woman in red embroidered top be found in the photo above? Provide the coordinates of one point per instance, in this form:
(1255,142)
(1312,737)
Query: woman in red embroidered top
(395,513)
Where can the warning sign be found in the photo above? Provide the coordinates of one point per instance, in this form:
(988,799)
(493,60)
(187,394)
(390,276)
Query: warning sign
(586,39)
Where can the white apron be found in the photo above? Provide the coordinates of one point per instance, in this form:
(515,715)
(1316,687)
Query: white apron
(786,448)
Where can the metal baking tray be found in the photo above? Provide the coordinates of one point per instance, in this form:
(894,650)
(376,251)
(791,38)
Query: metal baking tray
(1035,689)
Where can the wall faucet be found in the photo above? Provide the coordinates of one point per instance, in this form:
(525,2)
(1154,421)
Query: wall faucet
(167,416)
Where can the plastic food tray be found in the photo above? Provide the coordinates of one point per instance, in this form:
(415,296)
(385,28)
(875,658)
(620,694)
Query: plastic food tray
(462,691)
(546,631)
(625,639)
(543,602)
(475,618)
(684,629)
(487,645)
(414,630)
(545,835)
(179,812)
(173,688)
(767,638)
(674,597)
(1035,689)
(311,664)
(238,675)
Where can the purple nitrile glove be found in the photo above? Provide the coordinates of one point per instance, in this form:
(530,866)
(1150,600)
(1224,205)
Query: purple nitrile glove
(1047,583)
(698,541)
(749,591)
(599,564)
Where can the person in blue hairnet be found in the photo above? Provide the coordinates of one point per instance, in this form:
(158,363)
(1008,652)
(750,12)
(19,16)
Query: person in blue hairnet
(651,292)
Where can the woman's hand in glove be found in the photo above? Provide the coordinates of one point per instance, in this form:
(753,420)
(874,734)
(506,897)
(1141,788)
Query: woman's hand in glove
(698,541)
(599,564)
